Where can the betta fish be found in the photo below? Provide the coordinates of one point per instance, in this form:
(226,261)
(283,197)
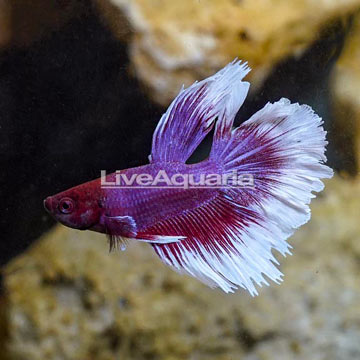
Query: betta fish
(220,233)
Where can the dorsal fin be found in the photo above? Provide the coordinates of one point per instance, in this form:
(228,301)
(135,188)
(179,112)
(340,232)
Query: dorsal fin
(192,113)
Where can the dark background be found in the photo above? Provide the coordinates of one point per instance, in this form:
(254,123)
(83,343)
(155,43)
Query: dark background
(69,107)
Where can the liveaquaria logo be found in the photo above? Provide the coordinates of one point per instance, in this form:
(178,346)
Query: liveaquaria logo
(186,181)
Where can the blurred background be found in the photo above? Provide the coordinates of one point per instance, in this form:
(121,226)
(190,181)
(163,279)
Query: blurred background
(82,86)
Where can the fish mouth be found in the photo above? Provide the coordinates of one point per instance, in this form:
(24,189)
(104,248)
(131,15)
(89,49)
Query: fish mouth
(48,204)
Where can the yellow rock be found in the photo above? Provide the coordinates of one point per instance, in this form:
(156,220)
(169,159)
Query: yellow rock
(68,298)
(346,94)
(180,41)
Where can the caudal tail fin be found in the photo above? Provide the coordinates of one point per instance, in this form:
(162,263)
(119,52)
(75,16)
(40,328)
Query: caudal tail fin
(281,148)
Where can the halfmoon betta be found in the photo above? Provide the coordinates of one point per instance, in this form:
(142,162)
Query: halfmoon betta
(222,235)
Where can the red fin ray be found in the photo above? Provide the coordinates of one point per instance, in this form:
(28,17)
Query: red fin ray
(220,247)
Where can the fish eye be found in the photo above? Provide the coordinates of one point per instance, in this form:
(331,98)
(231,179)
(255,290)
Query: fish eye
(66,205)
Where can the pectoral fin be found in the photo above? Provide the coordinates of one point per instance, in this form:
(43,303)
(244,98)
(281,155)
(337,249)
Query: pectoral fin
(122,228)
(119,229)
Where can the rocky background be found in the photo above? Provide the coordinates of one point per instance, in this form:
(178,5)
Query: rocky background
(82,85)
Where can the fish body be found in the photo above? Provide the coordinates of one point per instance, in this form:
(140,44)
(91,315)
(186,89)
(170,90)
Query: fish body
(145,205)
(200,218)
(150,204)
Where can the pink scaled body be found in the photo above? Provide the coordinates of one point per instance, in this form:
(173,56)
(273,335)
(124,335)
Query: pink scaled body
(108,209)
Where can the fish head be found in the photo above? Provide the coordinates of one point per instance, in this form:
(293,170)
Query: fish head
(77,208)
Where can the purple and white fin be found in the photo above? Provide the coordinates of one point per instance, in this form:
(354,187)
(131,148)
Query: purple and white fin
(229,240)
(282,147)
(226,245)
(192,113)
(124,226)
(121,229)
